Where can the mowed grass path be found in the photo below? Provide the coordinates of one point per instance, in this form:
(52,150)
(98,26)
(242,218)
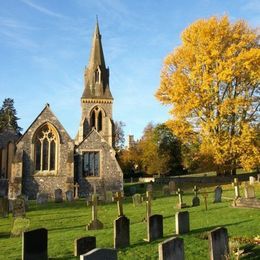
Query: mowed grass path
(67,221)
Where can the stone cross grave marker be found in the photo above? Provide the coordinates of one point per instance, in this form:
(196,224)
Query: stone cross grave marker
(148,204)
(205,196)
(195,200)
(218,243)
(76,194)
(154,228)
(35,244)
(182,222)
(19,208)
(121,232)
(236,186)
(58,195)
(83,245)
(172,187)
(180,205)
(100,254)
(249,192)
(42,198)
(119,199)
(137,199)
(95,223)
(171,249)
(217,194)
(4,207)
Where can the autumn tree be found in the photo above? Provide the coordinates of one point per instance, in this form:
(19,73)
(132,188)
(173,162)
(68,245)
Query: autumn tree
(119,135)
(212,82)
(8,116)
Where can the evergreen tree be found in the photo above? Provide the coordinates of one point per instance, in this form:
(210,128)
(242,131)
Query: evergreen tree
(8,116)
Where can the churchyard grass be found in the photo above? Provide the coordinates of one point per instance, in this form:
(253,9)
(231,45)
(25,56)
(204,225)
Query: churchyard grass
(67,221)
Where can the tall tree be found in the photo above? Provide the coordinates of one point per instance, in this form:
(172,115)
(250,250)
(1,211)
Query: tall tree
(8,116)
(119,135)
(212,83)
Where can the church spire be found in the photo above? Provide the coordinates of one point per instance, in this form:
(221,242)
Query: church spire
(96,74)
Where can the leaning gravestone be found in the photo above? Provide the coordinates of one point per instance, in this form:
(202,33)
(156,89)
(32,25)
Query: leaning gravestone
(218,243)
(182,222)
(18,208)
(58,195)
(249,192)
(100,254)
(4,207)
(69,195)
(171,249)
(84,245)
(42,198)
(35,244)
(121,232)
(20,225)
(154,228)
(137,199)
(217,194)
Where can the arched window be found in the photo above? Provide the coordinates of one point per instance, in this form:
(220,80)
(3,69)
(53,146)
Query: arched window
(97,76)
(45,148)
(96,118)
(99,121)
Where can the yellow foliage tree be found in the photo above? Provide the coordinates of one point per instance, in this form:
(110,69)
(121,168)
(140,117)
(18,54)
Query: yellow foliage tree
(212,83)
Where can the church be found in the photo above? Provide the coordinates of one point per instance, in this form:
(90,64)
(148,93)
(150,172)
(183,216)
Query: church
(46,158)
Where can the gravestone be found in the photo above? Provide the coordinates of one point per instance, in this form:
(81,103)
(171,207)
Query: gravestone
(249,192)
(154,228)
(119,199)
(180,205)
(100,254)
(42,198)
(4,207)
(251,180)
(18,208)
(20,225)
(58,195)
(218,243)
(95,223)
(35,244)
(171,249)
(137,199)
(236,186)
(217,194)
(83,245)
(195,200)
(166,190)
(69,195)
(172,187)
(182,222)
(121,232)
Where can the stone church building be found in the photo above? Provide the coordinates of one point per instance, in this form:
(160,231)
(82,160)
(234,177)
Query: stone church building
(46,158)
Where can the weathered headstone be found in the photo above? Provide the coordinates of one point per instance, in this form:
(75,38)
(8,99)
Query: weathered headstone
(19,208)
(100,254)
(4,207)
(218,244)
(249,192)
(172,187)
(166,190)
(20,225)
(217,194)
(95,223)
(180,205)
(252,180)
(83,245)
(171,249)
(119,199)
(137,199)
(35,244)
(154,228)
(58,195)
(42,198)
(76,194)
(69,195)
(182,222)
(121,232)
(195,200)
(236,186)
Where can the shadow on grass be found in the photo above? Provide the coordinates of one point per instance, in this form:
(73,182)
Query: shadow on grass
(65,257)
(4,235)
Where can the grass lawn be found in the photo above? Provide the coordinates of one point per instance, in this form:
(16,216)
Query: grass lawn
(67,221)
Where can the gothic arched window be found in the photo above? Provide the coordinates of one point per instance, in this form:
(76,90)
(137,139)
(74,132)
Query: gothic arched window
(99,124)
(45,148)
(96,118)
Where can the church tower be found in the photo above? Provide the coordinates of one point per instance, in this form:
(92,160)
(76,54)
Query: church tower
(96,100)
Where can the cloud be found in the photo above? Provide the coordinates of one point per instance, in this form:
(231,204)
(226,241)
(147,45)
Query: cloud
(42,9)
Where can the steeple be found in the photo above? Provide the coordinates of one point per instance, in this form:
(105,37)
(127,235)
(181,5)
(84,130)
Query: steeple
(96,74)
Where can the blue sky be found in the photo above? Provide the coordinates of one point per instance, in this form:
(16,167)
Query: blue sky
(45,46)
